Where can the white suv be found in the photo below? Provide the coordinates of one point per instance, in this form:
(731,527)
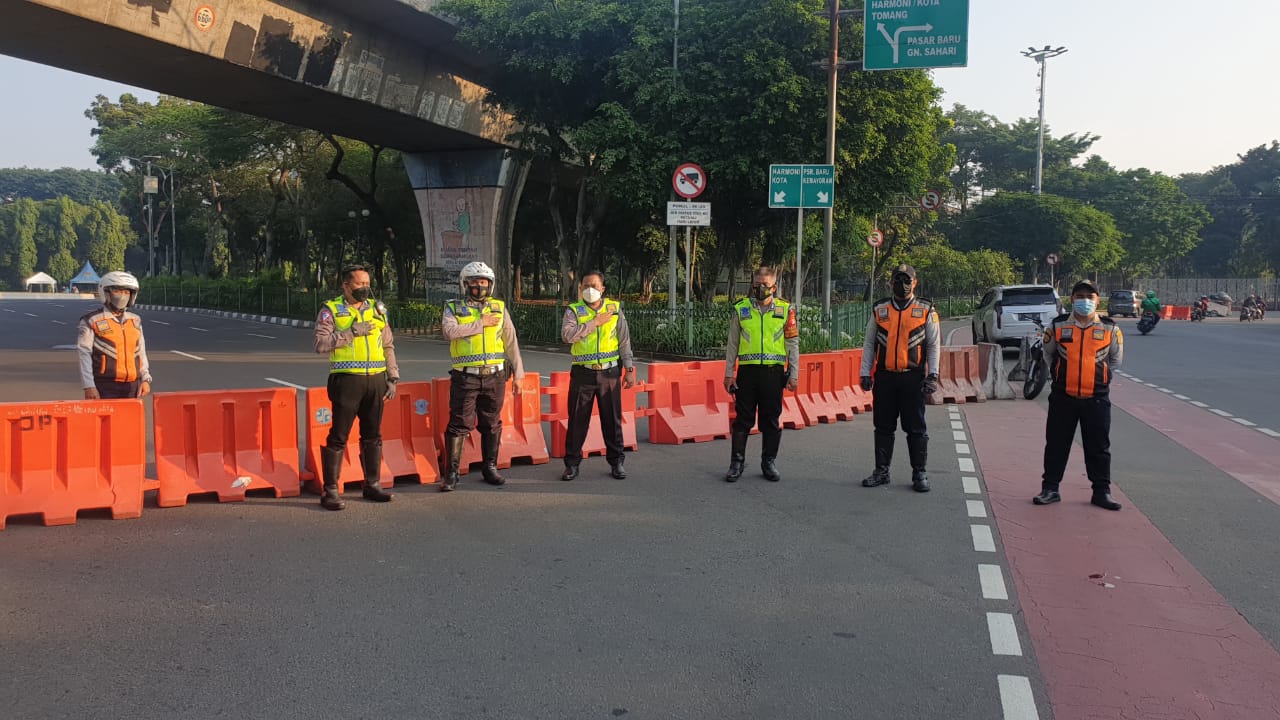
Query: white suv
(1006,313)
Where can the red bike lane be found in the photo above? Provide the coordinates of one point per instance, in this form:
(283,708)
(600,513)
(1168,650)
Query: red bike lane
(1123,626)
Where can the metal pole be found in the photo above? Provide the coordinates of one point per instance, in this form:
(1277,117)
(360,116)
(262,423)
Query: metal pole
(1040,136)
(173,227)
(151,236)
(799,249)
(671,259)
(672,270)
(675,45)
(688,264)
(828,218)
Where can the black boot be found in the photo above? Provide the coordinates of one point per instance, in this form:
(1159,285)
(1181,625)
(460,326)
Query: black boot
(884,454)
(1102,498)
(918,449)
(453,445)
(330,470)
(1048,494)
(489,443)
(769,470)
(371,461)
(737,456)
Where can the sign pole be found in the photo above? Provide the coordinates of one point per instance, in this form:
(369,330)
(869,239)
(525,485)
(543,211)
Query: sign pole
(799,250)
(828,217)
(688,287)
(671,270)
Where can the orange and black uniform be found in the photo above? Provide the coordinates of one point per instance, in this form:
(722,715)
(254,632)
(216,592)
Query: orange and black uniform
(902,342)
(1082,359)
(113,354)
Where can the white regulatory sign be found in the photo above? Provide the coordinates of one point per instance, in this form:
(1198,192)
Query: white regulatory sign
(695,214)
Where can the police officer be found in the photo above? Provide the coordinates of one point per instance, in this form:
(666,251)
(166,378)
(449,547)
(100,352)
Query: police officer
(113,352)
(1083,350)
(482,344)
(352,328)
(602,366)
(902,341)
(764,342)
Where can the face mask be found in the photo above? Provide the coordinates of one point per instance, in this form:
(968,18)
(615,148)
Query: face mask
(1083,306)
(591,295)
(762,292)
(477,291)
(119,302)
(901,288)
(360,294)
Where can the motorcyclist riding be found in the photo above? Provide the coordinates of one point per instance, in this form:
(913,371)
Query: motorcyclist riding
(1151,304)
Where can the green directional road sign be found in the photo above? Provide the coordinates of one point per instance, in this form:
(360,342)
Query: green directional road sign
(901,34)
(801,186)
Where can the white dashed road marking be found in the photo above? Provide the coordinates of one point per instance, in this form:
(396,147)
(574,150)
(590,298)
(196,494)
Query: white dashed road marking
(192,327)
(58,322)
(1244,422)
(971,486)
(1004,634)
(158,322)
(1183,398)
(957,425)
(30,314)
(186,355)
(1199,404)
(975,508)
(966,465)
(286,384)
(269,337)
(1223,413)
(962,449)
(958,435)
(982,540)
(1269,431)
(1016,698)
(992,579)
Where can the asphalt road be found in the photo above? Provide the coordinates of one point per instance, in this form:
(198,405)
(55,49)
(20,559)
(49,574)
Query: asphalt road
(668,595)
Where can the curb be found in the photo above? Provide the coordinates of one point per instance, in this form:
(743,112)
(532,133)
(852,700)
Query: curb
(267,319)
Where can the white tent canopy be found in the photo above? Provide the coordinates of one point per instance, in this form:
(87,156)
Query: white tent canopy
(40,279)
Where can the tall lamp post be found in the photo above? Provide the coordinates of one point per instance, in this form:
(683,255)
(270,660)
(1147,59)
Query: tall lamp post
(1040,56)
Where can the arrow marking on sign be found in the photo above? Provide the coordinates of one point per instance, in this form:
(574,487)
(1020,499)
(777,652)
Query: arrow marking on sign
(779,197)
(893,40)
(822,197)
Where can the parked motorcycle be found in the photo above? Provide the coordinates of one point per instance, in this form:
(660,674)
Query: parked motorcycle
(1146,322)
(1037,370)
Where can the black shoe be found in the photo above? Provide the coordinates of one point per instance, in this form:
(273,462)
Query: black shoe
(570,472)
(454,445)
(330,500)
(735,469)
(879,476)
(1047,497)
(489,443)
(374,493)
(1104,501)
(371,461)
(770,470)
(919,481)
(618,471)
(491,476)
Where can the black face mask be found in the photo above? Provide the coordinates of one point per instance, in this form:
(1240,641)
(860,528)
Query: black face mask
(762,292)
(477,292)
(901,289)
(360,294)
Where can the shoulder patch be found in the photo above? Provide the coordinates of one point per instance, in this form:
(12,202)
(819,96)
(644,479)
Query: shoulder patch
(103,327)
(325,315)
(581,310)
(1119,337)
(792,328)
(462,310)
(779,311)
(1066,333)
(1099,334)
(882,312)
(917,312)
(744,312)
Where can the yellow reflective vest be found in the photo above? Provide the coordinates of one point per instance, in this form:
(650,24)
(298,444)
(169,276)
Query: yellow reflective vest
(601,345)
(761,338)
(364,356)
(484,348)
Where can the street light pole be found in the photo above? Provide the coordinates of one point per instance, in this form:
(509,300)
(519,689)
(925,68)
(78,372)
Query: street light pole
(828,217)
(1040,56)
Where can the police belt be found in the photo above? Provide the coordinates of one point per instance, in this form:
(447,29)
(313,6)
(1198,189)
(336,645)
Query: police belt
(600,366)
(900,372)
(481,369)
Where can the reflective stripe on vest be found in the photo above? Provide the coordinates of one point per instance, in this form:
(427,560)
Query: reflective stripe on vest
(115,346)
(1080,366)
(600,345)
(364,356)
(760,335)
(900,334)
(483,348)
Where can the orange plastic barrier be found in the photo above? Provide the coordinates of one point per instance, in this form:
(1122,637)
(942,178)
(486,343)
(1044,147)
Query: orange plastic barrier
(1180,312)
(408,443)
(225,442)
(959,377)
(522,437)
(558,417)
(687,402)
(820,380)
(860,400)
(1166,312)
(62,457)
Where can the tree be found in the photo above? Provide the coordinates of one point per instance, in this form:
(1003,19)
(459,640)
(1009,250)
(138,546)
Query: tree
(102,237)
(18,254)
(82,186)
(1243,199)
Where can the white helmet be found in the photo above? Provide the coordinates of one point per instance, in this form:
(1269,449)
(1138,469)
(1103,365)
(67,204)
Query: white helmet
(476,269)
(119,279)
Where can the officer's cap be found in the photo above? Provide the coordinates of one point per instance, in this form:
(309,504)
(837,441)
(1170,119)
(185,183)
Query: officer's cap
(1085,284)
(905,270)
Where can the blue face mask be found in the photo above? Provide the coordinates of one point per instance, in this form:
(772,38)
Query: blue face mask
(1083,306)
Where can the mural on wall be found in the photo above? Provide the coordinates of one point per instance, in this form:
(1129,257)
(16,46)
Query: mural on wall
(452,218)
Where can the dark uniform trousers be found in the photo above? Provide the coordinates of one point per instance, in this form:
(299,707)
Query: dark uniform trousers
(603,388)
(899,395)
(114,389)
(1094,417)
(353,396)
(759,402)
(475,400)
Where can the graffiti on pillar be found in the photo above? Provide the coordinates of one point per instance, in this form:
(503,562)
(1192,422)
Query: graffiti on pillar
(364,77)
(399,96)
(454,219)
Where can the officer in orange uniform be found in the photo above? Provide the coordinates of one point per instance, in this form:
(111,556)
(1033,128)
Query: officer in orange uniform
(1083,350)
(902,341)
(113,353)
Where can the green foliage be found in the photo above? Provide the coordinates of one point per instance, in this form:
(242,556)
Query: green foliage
(18,253)
(82,186)
(1243,199)
(58,236)
(1028,227)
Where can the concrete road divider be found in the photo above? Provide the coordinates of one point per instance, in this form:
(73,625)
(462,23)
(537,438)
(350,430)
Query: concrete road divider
(58,458)
(995,381)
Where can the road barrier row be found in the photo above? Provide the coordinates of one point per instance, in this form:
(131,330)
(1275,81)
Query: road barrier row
(58,458)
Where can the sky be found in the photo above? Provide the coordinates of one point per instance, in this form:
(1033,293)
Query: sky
(1171,85)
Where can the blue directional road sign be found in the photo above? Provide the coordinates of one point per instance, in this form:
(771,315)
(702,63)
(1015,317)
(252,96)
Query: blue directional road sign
(802,186)
(901,34)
